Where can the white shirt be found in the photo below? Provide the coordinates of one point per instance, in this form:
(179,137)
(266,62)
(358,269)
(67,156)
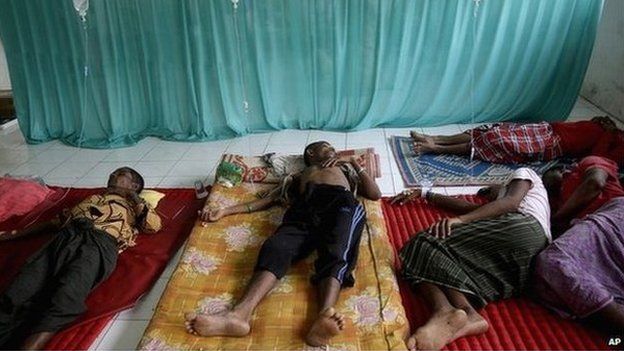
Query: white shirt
(535,202)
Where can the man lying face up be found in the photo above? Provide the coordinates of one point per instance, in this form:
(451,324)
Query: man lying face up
(323,215)
(50,290)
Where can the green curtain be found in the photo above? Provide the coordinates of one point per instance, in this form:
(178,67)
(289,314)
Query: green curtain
(200,69)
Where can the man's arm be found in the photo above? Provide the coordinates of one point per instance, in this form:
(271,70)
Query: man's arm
(148,220)
(516,191)
(594,180)
(37,228)
(213,215)
(368,187)
(450,203)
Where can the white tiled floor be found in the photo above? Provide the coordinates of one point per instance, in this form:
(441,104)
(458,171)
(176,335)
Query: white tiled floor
(175,164)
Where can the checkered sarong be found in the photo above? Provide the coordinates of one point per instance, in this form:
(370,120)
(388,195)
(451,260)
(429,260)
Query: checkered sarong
(515,143)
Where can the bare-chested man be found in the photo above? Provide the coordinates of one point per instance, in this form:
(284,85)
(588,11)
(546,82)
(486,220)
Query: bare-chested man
(323,215)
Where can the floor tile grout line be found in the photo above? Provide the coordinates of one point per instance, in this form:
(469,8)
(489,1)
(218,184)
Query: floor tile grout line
(150,150)
(104,332)
(89,170)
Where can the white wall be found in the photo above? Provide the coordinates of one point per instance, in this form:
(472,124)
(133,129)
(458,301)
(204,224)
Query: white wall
(5,82)
(604,82)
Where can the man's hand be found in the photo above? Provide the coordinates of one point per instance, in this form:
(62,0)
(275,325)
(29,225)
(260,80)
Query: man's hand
(139,208)
(212,214)
(8,234)
(442,228)
(406,196)
(331,162)
(354,162)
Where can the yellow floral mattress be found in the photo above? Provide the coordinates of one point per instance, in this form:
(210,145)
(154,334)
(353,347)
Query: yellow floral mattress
(219,260)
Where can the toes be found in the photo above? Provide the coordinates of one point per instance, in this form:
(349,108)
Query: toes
(190,316)
(328,312)
(411,343)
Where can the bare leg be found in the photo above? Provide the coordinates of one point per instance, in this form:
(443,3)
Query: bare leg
(609,319)
(329,323)
(441,139)
(234,322)
(454,149)
(445,322)
(37,341)
(476,324)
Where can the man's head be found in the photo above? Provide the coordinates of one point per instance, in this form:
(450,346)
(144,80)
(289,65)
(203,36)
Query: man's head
(491,192)
(317,152)
(606,122)
(126,178)
(552,179)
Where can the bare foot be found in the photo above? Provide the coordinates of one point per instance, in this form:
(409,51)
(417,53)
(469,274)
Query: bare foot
(421,137)
(226,323)
(475,325)
(425,147)
(329,324)
(439,330)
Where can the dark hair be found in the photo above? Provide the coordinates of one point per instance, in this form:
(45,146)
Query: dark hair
(558,167)
(546,176)
(136,177)
(306,157)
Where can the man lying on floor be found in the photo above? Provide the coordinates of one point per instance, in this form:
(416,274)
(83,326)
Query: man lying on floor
(581,275)
(484,254)
(323,215)
(522,143)
(50,290)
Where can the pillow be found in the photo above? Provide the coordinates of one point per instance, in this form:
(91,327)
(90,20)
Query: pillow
(18,197)
(255,168)
(283,165)
(152,197)
(270,168)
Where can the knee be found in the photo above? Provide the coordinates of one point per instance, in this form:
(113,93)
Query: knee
(274,257)
(274,247)
(547,264)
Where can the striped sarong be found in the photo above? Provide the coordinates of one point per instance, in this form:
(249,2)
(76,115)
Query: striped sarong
(488,260)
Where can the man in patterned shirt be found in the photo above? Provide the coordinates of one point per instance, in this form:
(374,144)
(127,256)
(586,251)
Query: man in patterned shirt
(51,288)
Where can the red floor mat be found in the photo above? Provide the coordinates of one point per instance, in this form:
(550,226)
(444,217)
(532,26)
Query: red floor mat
(515,324)
(137,269)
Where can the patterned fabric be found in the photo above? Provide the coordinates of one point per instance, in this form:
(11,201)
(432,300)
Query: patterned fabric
(115,215)
(271,168)
(583,270)
(515,143)
(441,170)
(219,261)
(489,260)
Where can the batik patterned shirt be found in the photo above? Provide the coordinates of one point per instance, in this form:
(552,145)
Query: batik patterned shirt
(115,215)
